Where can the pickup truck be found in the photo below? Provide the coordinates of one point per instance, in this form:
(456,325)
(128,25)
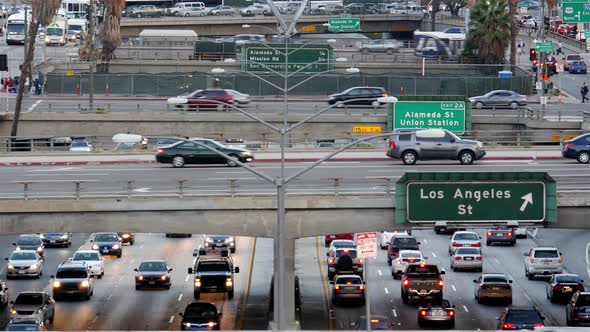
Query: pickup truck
(422,282)
(213,275)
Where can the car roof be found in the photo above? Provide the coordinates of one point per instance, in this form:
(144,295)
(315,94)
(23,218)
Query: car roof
(86,251)
(409,252)
(153,261)
(544,248)
(25,251)
(28,235)
(465,232)
(71,264)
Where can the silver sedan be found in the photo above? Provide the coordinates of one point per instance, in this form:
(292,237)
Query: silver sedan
(467,258)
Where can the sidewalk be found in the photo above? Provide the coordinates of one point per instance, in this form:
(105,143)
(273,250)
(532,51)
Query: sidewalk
(113,159)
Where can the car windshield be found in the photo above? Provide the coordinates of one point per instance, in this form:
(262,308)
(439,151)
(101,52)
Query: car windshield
(86,256)
(22,327)
(29,240)
(408,255)
(342,244)
(583,300)
(28,299)
(153,267)
(569,279)
(467,251)
(212,266)
(349,281)
(106,238)
(351,253)
(23,256)
(423,270)
(574,57)
(523,316)
(71,273)
(79,144)
(53,234)
(405,242)
(494,279)
(200,311)
(546,254)
(466,237)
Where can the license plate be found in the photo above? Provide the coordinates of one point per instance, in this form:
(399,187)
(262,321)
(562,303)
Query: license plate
(105,251)
(546,263)
(468,258)
(332,236)
(496,288)
(52,241)
(152,282)
(438,313)
(466,245)
(423,291)
(21,272)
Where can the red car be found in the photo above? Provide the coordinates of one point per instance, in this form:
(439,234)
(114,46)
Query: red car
(562,29)
(329,238)
(207,99)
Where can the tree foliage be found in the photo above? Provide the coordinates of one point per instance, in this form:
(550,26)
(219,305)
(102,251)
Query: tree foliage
(110,31)
(489,31)
(455,5)
(513,31)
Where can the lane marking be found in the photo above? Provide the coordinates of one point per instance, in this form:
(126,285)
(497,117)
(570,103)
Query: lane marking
(220,179)
(534,233)
(588,259)
(110,296)
(386,290)
(171,319)
(425,241)
(32,107)
(433,254)
(379,272)
(394,313)
(179,297)
(240,321)
(497,260)
(465,307)
(325,282)
(186,279)
(453,287)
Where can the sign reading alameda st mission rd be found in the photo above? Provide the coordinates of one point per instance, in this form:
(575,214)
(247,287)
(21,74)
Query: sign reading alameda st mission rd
(309,58)
(476,197)
(448,115)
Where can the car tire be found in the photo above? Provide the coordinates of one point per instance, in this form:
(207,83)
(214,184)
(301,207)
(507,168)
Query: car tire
(409,157)
(178,162)
(196,295)
(230,294)
(388,261)
(131,242)
(405,299)
(335,301)
(389,51)
(480,270)
(232,162)
(168,286)
(167,235)
(365,50)
(568,322)
(88,297)
(479,105)
(248,12)
(187,15)
(513,243)
(138,15)
(265,13)
(514,105)
(100,276)
(583,157)
(488,243)
(137,287)
(52,319)
(466,157)
(119,255)
(455,269)
(530,276)
(232,250)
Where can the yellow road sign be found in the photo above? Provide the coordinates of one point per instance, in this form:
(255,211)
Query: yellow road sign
(69,72)
(566,137)
(367,129)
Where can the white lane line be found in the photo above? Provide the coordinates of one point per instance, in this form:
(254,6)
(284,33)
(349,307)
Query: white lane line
(171,319)
(220,179)
(110,296)
(84,174)
(433,254)
(425,241)
(32,108)
(379,272)
(534,233)
(179,297)
(497,260)
(53,170)
(394,312)
(588,259)
(386,290)
(194,261)
(186,279)
(453,287)
(465,307)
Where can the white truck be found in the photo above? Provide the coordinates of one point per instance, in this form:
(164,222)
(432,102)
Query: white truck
(15,28)
(55,32)
(76,26)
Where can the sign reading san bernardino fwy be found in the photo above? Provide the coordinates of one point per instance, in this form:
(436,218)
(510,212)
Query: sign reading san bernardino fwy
(476,201)
(448,115)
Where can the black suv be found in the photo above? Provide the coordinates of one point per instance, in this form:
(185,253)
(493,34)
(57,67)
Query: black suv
(400,242)
(30,242)
(370,96)
(213,274)
(200,316)
(577,310)
(154,273)
(520,319)
(344,261)
(72,279)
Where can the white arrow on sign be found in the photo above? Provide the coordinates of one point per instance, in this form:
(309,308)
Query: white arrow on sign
(528,198)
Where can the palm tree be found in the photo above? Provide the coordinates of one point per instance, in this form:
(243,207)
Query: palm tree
(513,31)
(110,31)
(489,31)
(42,12)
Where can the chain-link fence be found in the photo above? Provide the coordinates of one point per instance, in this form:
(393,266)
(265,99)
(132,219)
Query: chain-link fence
(323,85)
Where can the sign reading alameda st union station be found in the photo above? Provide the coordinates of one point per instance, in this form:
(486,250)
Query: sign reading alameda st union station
(430,114)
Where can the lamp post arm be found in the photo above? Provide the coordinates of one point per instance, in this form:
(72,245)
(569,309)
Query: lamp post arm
(298,14)
(321,112)
(307,79)
(312,166)
(277,14)
(266,81)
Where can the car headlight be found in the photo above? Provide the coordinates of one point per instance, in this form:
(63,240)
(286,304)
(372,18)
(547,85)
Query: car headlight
(10,267)
(211,324)
(56,284)
(480,144)
(140,277)
(85,284)
(245,153)
(39,249)
(47,40)
(33,267)
(13,312)
(125,236)
(187,324)
(94,247)
(208,239)
(17,248)
(229,282)
(64,237)
(198,282)
(229,239)
(116,246)
(164,277)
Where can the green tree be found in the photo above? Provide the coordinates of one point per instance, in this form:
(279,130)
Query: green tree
(110,31)
(455,5)
(489,30)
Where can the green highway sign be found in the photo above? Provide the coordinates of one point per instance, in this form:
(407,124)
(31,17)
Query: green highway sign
(448,115)
(576,11)
(309,58)
(544,47)
(344,23)
(586,34)
(476,201)
(523,5)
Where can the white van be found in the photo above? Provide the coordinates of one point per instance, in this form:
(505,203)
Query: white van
(181,8)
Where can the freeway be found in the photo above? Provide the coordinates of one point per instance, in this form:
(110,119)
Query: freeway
(385,291)
(353,177)
(116,305)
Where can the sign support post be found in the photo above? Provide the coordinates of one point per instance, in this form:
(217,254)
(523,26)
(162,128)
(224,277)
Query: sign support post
(367,249)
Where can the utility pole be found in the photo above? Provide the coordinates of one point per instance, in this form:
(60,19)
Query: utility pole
(91,59)
(542,55)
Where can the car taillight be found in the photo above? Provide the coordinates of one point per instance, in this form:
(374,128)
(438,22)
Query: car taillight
(331,261)
(451,313)
(406,283)
(161,150)
(557,287)
(581,288)
(361,287)
(539,325)
(336,287)
(458,258)
(508,326)
(560,259)
(457,244)
(423,312)
(478,258)
(441,283)
(360,261)
(392,144)
(489,233)
(532,259)
(476,244)
(509,233)
(569,145)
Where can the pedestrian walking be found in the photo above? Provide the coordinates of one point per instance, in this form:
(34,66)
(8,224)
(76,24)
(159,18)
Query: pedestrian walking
(559,50)
(584,91)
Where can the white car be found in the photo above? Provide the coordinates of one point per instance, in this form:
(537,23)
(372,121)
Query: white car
(530,23)
(93,260)
(405,257)
(256,9)
(542,261)
(80,146)
(195,11)
(464,239)
(240,98)
(339,244)
(385,237)
(24,263)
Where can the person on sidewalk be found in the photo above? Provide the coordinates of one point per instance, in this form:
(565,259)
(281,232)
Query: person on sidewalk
(559,50)
(584,91)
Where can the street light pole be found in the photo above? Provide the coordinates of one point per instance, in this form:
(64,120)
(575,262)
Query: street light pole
(91,58)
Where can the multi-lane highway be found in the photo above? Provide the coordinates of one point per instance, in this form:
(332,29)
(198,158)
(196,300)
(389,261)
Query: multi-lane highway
(354,177)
